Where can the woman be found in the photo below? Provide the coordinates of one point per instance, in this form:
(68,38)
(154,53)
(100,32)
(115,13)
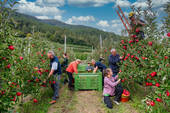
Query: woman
(110,89)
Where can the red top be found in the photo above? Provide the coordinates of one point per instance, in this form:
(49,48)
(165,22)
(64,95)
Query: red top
(72,67)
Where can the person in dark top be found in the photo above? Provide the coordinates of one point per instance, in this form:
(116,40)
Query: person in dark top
(64,65)
(65,62)
(98,65)
(101,67)
(137,25)
(54,74)
(114,59)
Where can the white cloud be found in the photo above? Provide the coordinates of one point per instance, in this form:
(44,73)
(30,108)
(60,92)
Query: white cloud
(93,3)
(158,3)
(80,19)
(56,3)
(116,26)
(42,17)
(143,3)
(59,17)
(40,11)
(103,23)
(122,3)
(140,3)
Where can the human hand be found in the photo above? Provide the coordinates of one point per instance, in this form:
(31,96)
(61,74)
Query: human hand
(121,58)
(119,80)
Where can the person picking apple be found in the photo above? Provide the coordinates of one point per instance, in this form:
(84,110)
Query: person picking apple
(54,74)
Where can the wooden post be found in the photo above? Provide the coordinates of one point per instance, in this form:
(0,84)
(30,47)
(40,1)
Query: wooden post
(65,44)
(101,43)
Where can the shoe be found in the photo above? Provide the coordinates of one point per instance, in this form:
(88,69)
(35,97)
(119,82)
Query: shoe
(52,102)
(116,102)
(71,88)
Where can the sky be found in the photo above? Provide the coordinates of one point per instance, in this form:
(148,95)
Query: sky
(99,14)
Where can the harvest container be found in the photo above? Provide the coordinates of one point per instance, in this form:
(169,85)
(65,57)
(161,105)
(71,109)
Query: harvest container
(87,81)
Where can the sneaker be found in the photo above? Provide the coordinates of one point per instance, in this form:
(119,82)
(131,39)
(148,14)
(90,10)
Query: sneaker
(116,102)
(52,102)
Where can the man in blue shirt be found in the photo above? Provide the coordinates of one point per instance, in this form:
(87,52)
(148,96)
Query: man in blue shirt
(114,59)
(98,65)
(54,73)
(101,67)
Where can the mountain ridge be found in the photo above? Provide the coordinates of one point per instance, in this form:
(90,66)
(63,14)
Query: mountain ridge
(55,30)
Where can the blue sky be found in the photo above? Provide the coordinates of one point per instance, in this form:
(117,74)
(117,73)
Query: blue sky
(100,14)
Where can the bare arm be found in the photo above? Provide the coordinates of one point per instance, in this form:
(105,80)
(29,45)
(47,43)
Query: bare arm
(51,73)
(95,69)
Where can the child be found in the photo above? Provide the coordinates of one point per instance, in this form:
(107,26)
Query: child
(110,89)
(89,68)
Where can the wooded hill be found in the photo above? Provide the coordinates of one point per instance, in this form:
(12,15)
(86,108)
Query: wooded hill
(55,30)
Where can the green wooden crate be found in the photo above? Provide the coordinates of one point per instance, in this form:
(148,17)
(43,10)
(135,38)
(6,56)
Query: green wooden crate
(88,81)
(82,67)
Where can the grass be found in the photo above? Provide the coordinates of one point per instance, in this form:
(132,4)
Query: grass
(68,101)
(64,104)
(40,107)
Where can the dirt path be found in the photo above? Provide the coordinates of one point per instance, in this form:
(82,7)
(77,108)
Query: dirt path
(88,102)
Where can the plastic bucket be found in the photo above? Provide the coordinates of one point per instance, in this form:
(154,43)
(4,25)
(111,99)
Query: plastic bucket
(125,98)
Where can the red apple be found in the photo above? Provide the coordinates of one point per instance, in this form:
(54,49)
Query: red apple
(166,57)
(157,84)
(21,58)
(11,47)
(35,101)
(54,82)
(18,93)
(150,43)
(152,103)
(137,30)
(133,36)
(125,47)
(153,74)
(158,100)
(8,66)
(168,34)
(167,93)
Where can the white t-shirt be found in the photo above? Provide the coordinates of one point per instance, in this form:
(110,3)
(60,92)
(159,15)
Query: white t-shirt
(54,66)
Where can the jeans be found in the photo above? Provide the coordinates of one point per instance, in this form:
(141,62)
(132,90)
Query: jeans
(118,94)
(71,79)
(103,77)
(55,87)
(108,102)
